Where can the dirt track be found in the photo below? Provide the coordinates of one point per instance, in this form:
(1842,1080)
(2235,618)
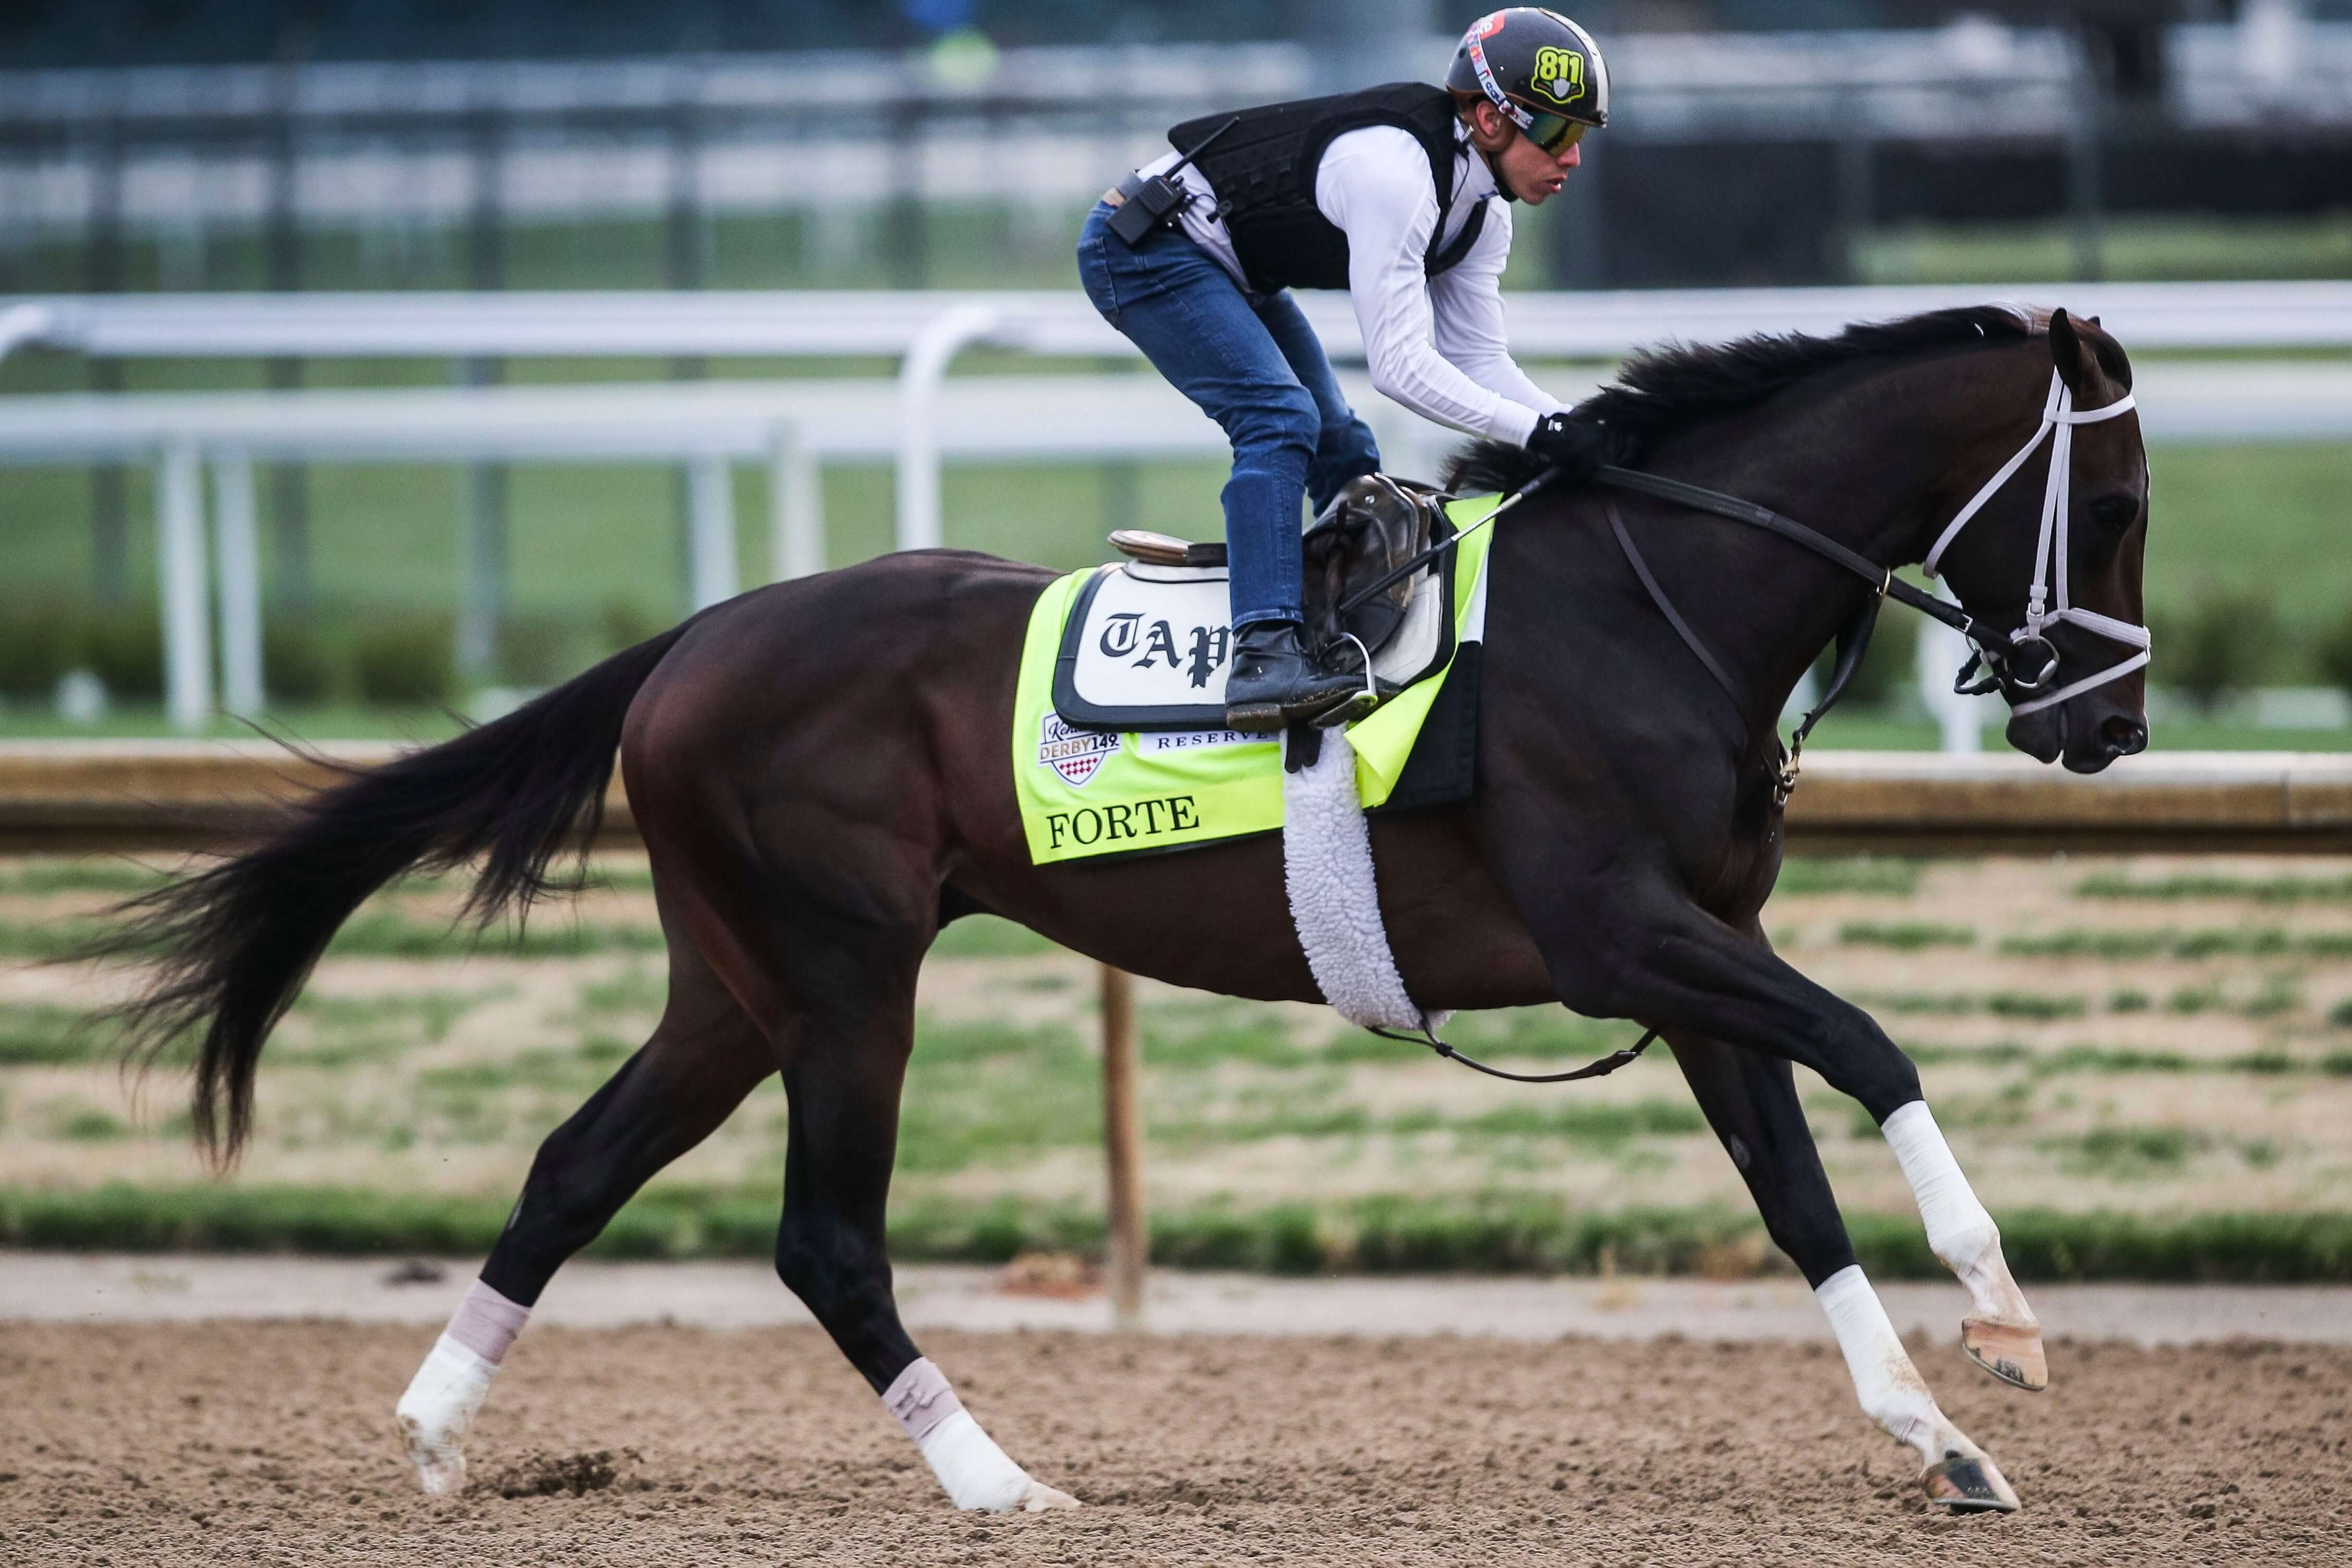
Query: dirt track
(272,1443)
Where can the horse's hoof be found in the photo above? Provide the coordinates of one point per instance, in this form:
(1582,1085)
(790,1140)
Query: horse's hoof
(2010,1352)
(1041,1497)
(1968,1483)
(440,1464)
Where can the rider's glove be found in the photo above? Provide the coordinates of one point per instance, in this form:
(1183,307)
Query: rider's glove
(1577,447)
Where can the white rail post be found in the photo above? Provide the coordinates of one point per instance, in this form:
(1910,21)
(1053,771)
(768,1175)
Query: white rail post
(180,549)
(710,528)
(24,324)
(237,558)
(935,345)
(795,508)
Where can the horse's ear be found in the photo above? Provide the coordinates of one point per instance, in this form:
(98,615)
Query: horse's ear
(2072,355)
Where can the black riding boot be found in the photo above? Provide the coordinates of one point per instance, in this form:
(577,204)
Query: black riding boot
(1275,682)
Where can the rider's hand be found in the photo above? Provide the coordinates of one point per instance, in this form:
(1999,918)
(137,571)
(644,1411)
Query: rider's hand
(1576,447)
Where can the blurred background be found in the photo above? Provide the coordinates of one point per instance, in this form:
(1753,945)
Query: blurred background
(364,365)
(320,147)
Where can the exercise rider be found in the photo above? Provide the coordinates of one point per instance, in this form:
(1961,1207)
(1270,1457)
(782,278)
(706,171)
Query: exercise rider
(1388,194)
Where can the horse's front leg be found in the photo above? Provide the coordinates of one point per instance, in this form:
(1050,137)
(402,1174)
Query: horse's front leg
(1648,953)
(1752,1103)
(1632,946)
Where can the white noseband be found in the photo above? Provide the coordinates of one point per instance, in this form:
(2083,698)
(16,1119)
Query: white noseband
(2058,414)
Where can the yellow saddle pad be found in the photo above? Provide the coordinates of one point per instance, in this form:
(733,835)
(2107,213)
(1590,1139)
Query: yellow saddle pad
(1087,792)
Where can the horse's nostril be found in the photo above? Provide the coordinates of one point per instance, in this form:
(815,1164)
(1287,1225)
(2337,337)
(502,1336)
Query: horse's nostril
(2126,736)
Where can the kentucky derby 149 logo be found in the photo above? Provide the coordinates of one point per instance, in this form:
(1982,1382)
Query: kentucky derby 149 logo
(1559,74)
(1076,754)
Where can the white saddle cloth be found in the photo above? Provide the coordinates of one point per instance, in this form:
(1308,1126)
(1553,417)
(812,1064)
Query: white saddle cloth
(1147,647)
(1334,899)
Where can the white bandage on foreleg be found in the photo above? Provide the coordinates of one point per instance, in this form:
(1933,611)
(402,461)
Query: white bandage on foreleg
(1890,1388)
(976,1473)
(442,1398)
(1960,1231)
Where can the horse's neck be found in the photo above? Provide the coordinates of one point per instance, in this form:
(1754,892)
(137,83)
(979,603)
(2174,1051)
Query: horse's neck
(1869,464)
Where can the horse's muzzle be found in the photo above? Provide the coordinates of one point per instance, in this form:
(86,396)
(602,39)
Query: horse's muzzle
(2124,735)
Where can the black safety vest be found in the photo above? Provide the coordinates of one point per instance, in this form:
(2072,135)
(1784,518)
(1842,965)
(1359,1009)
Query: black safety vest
(1263,171)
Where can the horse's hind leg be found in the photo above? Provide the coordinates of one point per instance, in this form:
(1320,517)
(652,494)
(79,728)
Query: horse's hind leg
(846,1043)
(704,1058)
(1752,1103)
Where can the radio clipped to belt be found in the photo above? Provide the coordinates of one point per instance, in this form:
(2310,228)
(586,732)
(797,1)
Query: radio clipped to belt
(1146,203)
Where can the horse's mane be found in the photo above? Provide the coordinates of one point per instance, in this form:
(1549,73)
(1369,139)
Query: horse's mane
(1662,391)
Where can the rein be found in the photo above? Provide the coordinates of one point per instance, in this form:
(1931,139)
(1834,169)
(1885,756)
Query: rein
(2000,654)
(1991,648)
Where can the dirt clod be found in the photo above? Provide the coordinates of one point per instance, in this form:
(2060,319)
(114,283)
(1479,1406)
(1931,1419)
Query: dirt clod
(545,1475)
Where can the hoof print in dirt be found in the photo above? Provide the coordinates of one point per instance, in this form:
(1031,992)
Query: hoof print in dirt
(549,1475)
(1968,1484)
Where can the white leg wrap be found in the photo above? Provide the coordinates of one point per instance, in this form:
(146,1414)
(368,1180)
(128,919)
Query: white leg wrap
(974,1470)
(1960,1231)
(1890,1388)
(446,1391)
(976,1473)
(437,1409)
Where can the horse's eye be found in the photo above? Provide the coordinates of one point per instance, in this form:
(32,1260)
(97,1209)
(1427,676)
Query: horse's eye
(2114,512)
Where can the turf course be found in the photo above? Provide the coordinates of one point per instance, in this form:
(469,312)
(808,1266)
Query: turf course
(2147,1066)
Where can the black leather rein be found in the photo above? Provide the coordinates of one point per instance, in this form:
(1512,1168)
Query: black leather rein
(1699,499)
(1993,647)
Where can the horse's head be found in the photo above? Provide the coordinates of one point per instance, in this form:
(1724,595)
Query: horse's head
(2057,563)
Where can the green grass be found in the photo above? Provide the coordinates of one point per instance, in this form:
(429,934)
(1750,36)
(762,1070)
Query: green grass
(2262,889)
(90,874)
(1892,875)
(1905,935)
(2094,1058)
(1487,1233)
(1910,1002)
(990,936)
(2034,1006)
(634,991)
(2029,1005)
(2077,941)
(91,1126)
(348,1029)
(33,1034)
(1195,1035)
(308,722)
(2132,248)
(387,933)
(992,1094)
(2126,1153)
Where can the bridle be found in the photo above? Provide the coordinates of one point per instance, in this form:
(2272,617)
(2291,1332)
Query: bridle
(1999,654)
(2059,415)
(2019,664)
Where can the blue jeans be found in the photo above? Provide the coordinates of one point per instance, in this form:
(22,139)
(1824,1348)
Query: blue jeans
(1254,365)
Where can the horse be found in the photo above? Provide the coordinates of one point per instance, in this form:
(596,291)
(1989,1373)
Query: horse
(821,773)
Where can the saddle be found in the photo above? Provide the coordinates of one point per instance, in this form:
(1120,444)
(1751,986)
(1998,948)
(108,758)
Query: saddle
(1174,589)
(1374,525)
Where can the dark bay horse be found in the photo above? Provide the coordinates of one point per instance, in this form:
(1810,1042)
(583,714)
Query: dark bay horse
(821,775)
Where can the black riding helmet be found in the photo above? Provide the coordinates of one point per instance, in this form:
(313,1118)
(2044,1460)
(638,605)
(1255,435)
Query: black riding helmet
(1542,70)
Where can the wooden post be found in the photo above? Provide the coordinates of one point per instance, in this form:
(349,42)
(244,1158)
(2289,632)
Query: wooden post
(1123,1148)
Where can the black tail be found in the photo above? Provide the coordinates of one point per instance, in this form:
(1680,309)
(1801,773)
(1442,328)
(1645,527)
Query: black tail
(234,944)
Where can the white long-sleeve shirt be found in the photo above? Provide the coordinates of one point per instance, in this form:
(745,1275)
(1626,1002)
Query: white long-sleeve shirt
(1435,345)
